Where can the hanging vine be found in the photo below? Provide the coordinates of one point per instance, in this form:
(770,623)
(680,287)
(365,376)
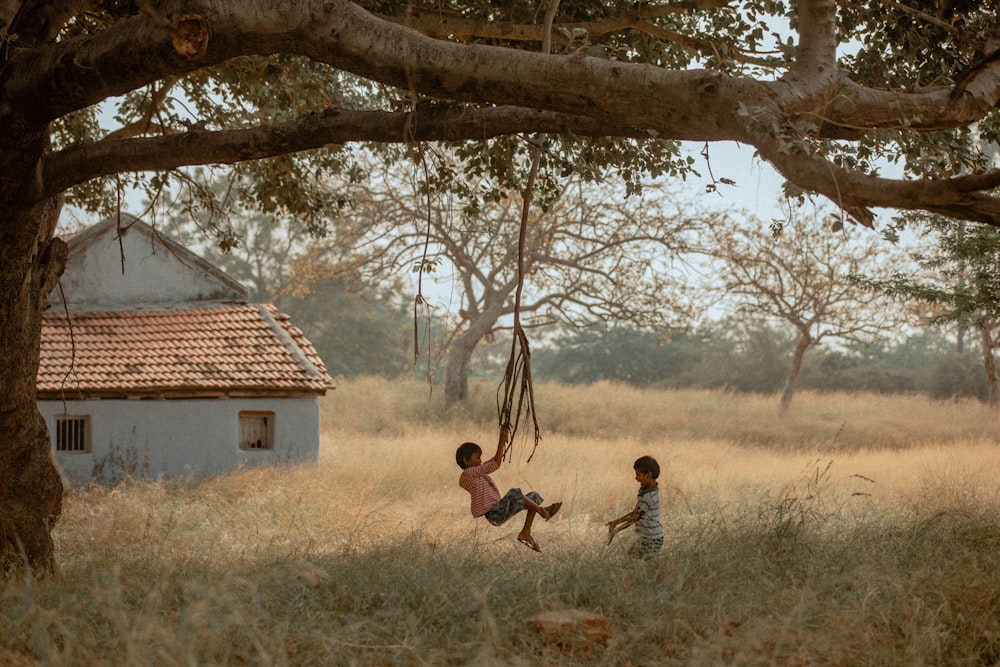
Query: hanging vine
(517,383)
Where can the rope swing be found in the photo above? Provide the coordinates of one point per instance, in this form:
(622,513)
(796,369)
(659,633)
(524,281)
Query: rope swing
(517,377)
(517,382)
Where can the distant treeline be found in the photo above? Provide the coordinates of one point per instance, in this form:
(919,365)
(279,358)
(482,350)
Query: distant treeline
(374,336)
(753,357)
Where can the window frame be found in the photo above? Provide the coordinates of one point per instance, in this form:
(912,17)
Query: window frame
(79,439)
(251,419)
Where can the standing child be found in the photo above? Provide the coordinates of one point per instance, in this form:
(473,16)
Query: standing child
(646,515)
(486,500)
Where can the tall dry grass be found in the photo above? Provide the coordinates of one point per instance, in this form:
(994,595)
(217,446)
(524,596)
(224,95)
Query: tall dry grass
(854,530)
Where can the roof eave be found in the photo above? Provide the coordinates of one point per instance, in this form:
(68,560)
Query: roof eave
(173,394)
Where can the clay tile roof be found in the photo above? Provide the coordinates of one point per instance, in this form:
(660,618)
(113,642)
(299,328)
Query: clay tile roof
(226,349)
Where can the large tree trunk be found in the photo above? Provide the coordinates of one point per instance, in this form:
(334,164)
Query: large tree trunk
(31,262)
(990,364)
(793,372)
(456,383)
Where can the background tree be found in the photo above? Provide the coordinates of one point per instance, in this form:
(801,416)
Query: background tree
(747,354)
(277,88)
(739,354)
(640,356)
(797,273)
(357,326)
(959,283)
(589,254)
(256,248)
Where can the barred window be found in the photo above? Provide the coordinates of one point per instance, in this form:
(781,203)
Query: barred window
(256,430)
(73,434)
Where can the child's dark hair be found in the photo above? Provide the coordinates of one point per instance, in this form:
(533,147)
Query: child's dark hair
(464,451)
(647,464)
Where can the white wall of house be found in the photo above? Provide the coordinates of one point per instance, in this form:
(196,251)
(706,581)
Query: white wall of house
(155,439)
(139,270)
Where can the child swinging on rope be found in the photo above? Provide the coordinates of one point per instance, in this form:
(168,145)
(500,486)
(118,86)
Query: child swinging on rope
(486,500)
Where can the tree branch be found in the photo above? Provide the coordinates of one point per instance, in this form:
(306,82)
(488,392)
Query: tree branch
(443,25)
(732,52)
(697,105)
(816,61)
(856,193)
(83,162)
(145,123)
(41,20)
(923,16)
(8,9)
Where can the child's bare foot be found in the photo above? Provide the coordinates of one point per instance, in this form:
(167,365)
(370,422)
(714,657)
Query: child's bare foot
(529,542)
(550,511)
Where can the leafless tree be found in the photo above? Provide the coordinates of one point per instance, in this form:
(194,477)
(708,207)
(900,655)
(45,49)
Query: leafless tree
(800,273)
(592,255)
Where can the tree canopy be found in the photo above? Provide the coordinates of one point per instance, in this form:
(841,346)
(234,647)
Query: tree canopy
(957,282)
(277,88)
(587,254)
(222,82)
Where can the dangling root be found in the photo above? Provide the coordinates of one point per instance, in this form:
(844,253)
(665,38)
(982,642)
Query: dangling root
(518,379)
(518,371)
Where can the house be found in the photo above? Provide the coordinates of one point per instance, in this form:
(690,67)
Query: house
(153,364)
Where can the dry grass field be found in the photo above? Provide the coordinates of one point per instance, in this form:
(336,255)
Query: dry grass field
(855,530)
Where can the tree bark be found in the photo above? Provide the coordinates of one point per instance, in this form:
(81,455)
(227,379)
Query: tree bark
(30,485)
(456,383)
(31,488)
(793,372)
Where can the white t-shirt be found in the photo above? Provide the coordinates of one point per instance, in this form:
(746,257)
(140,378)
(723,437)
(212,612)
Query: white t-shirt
(649,524)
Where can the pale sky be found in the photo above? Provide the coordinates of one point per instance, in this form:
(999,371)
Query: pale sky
(757,186)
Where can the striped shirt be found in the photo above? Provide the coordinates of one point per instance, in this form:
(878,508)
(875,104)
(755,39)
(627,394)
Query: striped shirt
(649,502)
(480,486)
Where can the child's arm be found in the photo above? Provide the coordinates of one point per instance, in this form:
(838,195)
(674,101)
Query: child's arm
(615,526)
(501,443)
(627,519)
